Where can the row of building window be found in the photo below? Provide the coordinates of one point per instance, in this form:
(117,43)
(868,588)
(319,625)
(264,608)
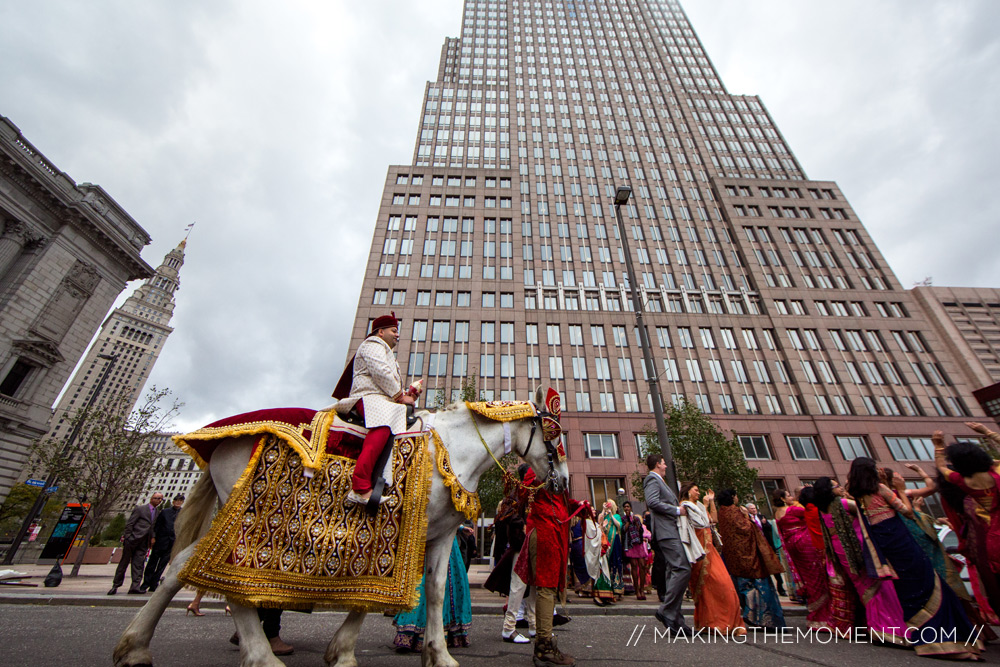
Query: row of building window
(800,447)
(453,181)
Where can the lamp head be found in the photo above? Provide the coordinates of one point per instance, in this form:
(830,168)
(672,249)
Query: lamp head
(622,194)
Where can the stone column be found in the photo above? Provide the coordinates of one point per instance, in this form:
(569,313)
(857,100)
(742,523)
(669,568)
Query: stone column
(15,235)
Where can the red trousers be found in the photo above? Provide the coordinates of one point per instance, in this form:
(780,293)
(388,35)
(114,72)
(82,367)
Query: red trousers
(372,448)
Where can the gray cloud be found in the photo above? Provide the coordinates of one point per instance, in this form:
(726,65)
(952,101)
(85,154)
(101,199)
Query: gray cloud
(272,125)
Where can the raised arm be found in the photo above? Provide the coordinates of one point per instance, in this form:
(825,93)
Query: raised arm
(930,486)
(898,502)
(940,461)
(985,432)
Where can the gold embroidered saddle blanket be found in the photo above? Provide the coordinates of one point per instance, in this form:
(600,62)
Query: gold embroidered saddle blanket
(285,539)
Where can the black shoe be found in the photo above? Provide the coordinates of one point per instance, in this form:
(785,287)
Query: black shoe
(235,639)
(143,590)
(516,638)
(521,623)
(663,619)
(114,589)
(135,591)
(559,619)
(681,631)
(152,589)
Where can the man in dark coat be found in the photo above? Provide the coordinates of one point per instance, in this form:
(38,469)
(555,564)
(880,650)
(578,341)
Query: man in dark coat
(135,541)
(162,543)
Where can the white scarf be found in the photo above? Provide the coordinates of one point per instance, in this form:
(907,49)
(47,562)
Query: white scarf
(696,517)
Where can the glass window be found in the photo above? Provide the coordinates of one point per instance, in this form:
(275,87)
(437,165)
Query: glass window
(803,447)
(601,445)
(853,446)
(755,447)
(603,489)
(910,449)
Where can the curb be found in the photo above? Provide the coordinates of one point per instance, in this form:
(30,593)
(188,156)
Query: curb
(478,608)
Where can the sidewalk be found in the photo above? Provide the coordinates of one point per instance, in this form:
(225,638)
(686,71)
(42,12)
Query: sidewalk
(90,588)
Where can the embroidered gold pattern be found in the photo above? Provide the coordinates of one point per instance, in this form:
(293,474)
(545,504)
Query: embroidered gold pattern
(307,440)
(465,501)
(503,411)
(286,540)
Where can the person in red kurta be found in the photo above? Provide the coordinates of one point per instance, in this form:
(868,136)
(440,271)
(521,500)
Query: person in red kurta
(543,562)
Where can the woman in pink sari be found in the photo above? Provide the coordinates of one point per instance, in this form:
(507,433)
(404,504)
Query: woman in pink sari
(843,537)
(809,566)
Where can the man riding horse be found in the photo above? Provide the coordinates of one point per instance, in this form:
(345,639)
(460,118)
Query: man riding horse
(371,387)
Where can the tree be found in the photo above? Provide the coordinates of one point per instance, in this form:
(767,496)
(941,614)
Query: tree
(115,529)
(112,458)
(702,453)
(16,506)
(490,487)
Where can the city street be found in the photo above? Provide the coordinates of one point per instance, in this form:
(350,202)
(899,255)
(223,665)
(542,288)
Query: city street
(76,635)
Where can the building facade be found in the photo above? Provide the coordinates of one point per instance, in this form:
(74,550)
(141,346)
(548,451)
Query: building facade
(968,317)
(176,472)
(768,304)
(129,343)
(66,252)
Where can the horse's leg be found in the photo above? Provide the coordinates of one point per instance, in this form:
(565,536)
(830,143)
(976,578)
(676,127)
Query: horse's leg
(133,647)
(435,652)
(340,652)
(255,649)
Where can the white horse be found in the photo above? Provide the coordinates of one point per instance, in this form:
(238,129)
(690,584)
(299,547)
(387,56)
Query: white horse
(469,445)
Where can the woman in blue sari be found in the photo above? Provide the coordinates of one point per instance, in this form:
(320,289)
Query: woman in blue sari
(937,625)
(410,625)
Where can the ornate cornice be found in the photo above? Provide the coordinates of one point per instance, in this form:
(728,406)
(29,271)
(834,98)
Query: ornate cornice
(42,352)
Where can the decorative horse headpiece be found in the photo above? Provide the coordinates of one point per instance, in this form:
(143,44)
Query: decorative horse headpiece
(551,429)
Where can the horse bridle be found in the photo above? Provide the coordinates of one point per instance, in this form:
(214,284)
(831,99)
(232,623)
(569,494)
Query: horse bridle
(551,452)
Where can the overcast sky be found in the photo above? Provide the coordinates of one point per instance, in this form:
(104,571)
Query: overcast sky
(272,125)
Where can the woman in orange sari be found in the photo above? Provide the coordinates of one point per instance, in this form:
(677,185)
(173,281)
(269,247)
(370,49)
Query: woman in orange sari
(716,605)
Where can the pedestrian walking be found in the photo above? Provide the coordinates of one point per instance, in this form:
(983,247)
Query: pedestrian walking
(162,543)
(135,542)
(662,503)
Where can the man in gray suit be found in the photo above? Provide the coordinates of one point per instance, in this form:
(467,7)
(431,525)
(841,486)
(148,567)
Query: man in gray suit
(135,543)
(664,510)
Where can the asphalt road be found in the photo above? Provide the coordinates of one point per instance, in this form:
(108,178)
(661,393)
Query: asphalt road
(69,635)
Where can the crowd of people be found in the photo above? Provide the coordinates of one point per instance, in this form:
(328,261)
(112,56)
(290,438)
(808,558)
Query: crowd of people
(864,556)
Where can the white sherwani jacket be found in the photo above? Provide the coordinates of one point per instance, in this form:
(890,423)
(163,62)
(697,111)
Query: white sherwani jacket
(377,381)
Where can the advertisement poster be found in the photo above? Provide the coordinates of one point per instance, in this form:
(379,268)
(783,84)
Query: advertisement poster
(65,531)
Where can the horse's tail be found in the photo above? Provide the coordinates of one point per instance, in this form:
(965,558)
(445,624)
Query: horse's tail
(195,518)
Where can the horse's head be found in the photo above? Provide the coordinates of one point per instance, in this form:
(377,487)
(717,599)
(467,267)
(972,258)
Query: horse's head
(549,460)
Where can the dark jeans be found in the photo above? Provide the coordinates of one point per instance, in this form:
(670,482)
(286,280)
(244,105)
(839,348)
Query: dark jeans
(270,620)
(155,566)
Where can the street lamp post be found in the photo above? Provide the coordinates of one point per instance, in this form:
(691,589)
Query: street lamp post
(622,195)
(53,477)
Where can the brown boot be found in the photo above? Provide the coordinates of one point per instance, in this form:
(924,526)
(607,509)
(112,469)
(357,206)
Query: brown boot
(547,654)
(279,647)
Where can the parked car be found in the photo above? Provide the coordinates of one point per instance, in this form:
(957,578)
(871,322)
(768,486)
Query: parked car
(949,539)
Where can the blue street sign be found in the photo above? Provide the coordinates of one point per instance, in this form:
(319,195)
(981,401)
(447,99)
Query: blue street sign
(52,489)
(35,482)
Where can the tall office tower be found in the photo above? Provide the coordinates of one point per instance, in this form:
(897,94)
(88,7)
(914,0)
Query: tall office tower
(67,250)
(134,335)
(769,305)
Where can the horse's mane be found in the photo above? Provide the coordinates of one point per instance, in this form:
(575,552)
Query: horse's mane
(451,407)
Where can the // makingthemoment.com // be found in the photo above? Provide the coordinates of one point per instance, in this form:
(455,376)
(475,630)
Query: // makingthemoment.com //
(862,635)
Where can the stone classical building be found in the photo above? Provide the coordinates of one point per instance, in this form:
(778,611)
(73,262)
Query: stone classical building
(769,305)
(130,341)
(66,253)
